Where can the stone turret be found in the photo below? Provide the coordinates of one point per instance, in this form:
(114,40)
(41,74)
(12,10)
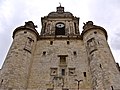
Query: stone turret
(16,67)
(100,58)
(60,58)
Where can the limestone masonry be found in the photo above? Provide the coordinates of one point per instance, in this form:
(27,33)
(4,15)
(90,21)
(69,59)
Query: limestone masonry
(60,58)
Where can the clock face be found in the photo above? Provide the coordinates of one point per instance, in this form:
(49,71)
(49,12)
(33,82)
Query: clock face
(60,25)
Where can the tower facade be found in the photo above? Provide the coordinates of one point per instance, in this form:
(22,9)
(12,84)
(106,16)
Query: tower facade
(60,58)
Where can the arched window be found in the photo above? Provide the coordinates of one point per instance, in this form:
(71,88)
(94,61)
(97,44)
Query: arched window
(60,29)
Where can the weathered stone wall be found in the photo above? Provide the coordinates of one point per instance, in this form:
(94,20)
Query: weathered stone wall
(15,70)
(60,62)
(105,75)
(30,64)
(41,78)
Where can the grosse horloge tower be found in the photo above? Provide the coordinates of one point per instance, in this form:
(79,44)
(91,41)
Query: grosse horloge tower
(60,58)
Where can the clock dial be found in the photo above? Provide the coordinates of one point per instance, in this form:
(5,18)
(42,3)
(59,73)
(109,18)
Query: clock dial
(60,25)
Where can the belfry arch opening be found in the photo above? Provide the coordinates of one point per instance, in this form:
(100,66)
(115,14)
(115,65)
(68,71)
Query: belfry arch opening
(60,29)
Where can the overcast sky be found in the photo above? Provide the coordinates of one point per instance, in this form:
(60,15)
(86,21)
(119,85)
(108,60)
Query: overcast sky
(14,13)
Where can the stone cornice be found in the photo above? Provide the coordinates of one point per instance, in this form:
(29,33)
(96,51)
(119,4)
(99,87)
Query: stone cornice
(60,37)
(25,28)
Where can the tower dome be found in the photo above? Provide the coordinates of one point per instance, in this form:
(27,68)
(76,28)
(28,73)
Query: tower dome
(88,26)
(28,26)
(60,13)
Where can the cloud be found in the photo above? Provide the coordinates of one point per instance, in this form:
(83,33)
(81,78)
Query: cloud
(115,39)
(10,17)
(106,13)
(13,14)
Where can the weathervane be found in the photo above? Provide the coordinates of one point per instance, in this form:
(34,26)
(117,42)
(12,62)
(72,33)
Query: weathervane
(60,4)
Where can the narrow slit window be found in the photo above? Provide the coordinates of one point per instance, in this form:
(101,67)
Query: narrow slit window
(95,32)
(44,52)
(25,31)
(74,53)
(63,72)
(1,81)
(51,42)
(68,42)
(100,66)
(84,74)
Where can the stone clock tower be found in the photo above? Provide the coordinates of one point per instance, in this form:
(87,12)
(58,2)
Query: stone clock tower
(60,58)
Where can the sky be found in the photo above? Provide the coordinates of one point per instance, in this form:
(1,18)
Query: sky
(14,13)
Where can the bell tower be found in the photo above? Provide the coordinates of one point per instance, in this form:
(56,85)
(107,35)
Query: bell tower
(60,58)
(60,23)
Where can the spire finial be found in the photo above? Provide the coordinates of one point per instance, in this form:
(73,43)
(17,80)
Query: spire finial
(60,4)
(60,9)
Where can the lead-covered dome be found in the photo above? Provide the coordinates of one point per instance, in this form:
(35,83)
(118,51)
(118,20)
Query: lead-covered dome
(60,13)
